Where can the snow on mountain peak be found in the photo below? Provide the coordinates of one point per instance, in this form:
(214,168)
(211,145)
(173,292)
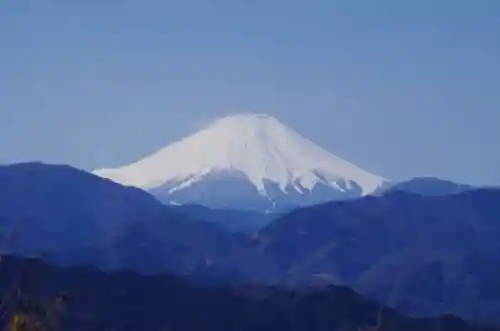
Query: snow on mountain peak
(257,146)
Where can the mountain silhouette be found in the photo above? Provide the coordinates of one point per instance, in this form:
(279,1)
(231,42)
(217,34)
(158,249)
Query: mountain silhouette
(128,301)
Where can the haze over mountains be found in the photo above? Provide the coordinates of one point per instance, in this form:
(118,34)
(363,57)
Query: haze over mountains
(252,162)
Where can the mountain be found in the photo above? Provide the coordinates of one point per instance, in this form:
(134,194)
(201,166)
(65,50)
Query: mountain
(95,300)
(232,220)
(250,162)
(73,217)
(419,254)
(429,186)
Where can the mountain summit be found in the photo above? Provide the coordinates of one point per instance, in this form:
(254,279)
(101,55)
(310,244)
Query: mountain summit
(246,161)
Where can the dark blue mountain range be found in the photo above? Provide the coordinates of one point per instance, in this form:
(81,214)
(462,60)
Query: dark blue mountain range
(423,254)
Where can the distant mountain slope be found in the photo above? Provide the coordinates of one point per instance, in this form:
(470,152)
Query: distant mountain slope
(435,281)
(419,253)
(233,220)
(127,301)
(428,186)
(71,216)
(251,162)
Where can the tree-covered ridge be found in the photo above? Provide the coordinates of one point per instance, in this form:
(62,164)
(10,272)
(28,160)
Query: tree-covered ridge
(128,301)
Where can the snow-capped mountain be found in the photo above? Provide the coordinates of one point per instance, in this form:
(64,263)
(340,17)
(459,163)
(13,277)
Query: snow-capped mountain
(246,161)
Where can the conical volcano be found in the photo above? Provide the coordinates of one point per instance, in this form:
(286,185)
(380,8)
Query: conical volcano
(246,161)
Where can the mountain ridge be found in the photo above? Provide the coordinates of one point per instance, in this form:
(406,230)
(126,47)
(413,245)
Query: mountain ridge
(70,216)
(126,300)
(428,186)
(412,251)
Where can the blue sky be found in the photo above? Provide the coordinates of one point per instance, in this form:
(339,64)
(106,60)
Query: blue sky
(400,88)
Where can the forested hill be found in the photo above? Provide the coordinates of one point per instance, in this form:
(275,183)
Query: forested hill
(97,300)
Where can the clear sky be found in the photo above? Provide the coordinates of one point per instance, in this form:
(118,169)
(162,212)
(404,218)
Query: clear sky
(400,88)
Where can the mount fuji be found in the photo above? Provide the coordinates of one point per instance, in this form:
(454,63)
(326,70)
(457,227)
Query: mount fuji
(247,162)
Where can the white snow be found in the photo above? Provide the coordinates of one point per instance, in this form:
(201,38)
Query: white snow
(257,145)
